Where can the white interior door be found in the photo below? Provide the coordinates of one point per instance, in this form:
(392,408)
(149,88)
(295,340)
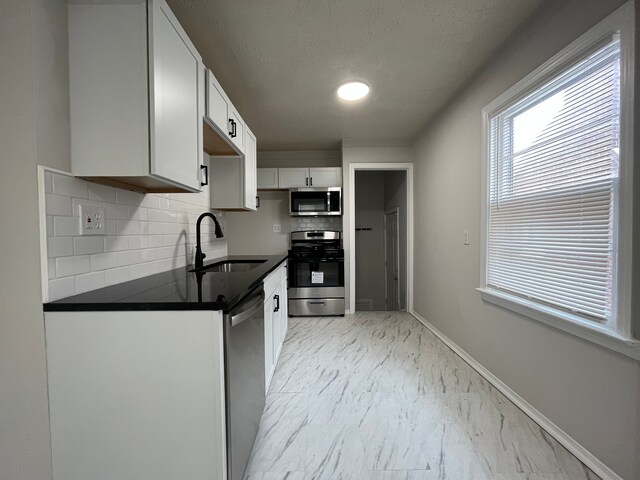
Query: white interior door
(391,260)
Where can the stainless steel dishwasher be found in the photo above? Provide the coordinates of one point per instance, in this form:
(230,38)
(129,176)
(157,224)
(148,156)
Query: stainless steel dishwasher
(244,379)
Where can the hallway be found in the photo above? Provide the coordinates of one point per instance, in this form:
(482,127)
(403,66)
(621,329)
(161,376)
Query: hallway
(377,396)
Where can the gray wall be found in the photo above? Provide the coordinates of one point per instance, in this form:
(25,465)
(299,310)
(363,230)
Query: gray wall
(370,243)
(33,129)
(395,196)
(300,158)
(590,392)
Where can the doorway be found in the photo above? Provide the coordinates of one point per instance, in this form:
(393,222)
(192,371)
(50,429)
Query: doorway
(380,240)
(391,259)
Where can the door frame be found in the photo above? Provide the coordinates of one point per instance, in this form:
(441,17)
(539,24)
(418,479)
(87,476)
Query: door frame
(351,202)
(392,211)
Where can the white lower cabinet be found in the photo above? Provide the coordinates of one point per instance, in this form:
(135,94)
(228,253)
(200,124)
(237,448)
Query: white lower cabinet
(275,318)
(136,395)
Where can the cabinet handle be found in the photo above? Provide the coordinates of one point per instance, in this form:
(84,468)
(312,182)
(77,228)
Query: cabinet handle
(306,181)
(257,201)
(311,181)
(232,133)
(205,175)
(277,299)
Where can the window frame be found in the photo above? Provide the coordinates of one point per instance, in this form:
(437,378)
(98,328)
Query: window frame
(617,335)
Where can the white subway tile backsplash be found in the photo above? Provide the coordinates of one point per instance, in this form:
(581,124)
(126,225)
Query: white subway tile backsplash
(145,234)
(141,270)
(76,202)
(116,212)
(90,281)
(88,245)
(104,261)
(66,226)
(116,275)
(165,252)
(163,202)
(116,244)
(138,241)
(51,268)
(148,255)
(156,241)
(59,247)
(149,201)
(128,257)
(62,287)
(70,186)
(129,227)
(57,204)
(127,197)
(111,227)
(68,266)
(138,213)
(102,193)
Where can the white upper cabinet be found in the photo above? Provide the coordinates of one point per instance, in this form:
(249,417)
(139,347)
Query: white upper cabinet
(293,177)
(234,178)
(268,178)
(325,177)
(250,174)
(309,177)
(136,97)
(236,128)
(176,147)
(224,128)
(217,105)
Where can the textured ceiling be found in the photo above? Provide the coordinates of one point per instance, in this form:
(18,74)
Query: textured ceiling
(280,61)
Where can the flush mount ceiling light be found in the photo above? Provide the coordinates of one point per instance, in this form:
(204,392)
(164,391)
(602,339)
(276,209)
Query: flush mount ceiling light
(353,91)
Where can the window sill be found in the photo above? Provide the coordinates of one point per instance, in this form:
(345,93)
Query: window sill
(563,321)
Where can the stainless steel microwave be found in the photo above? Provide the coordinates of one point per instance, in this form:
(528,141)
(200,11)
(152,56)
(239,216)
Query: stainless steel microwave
(311,202)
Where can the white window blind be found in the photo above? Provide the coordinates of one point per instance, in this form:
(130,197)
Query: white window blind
(553,160)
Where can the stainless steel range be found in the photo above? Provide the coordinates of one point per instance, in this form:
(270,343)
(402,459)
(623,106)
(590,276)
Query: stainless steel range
(316,273)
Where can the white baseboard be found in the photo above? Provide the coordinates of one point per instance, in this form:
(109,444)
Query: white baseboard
(584,455)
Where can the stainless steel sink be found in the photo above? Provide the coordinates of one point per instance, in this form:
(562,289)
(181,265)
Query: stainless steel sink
(231,266)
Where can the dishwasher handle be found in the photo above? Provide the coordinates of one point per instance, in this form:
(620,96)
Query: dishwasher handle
(249,312)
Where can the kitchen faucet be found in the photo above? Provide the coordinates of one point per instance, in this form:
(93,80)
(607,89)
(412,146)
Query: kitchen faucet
(199,255)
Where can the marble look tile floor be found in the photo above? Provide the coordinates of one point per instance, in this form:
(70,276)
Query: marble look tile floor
(376,396)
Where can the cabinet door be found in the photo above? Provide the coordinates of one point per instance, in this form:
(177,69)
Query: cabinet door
(325,177)
(175,117)
(250,173)
(217,104)
(277,320)
(293,177)
(236,128)
(268,341)
(267,178)
(284,311)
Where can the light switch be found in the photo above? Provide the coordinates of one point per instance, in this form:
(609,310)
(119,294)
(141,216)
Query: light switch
(277,228)
(466,237)
(92,220)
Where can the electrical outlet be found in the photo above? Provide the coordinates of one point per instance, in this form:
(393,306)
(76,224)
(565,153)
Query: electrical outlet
(466,237)
(277,228)
(92,220)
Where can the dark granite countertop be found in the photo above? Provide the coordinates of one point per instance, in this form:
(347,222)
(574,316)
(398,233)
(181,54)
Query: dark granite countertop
(178,289)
